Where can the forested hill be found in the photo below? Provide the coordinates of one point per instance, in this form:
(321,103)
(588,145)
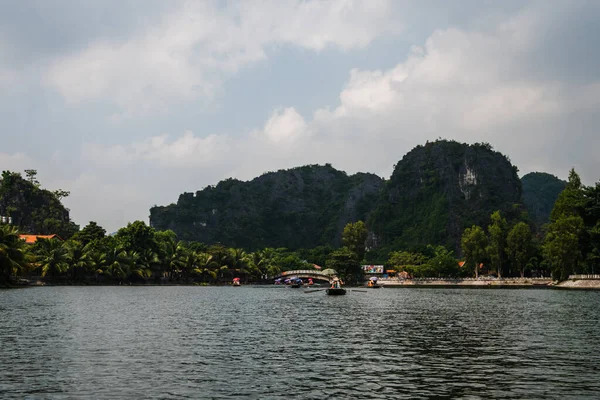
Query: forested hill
(436,190)
(297,208)
(33,209)
(439,189)
(540,191)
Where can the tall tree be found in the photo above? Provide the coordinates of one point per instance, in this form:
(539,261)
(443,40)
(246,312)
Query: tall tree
(561,245)
(52,257)
(91,232)
(497,242)
(79,257)
(354,237)
(520,246)
(345,263)
(473,244)
(570,200)
(138,236)
(12,253)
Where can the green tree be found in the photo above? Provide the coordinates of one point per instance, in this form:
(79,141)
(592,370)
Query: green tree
(354,237)
(31,175)
(561,245)
(497,242)
(91,232)
(118,264)
(12,253)
(570,200)
(443,263)
(79,258)
(520,247)
(51,257)
(172,255)
(61,194)
(473,244)
(137,236)
(345,263)
(406,261)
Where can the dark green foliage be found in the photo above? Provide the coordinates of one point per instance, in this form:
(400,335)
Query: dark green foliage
(302,207)
(345,263)
(438,189)
(540,191)
(354,237)
(33,210)
(91,232)
(12,253)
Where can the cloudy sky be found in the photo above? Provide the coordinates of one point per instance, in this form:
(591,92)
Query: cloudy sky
(128,103)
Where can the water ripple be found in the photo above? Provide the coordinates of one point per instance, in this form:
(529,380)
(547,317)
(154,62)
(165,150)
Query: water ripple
(277,343)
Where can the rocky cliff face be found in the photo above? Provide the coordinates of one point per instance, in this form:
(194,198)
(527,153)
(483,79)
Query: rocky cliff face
(540,191)
(438,189)
(298,208)
(33,209)
(435,191)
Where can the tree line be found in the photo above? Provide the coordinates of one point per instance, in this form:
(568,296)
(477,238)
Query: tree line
(568,244)
(137,253)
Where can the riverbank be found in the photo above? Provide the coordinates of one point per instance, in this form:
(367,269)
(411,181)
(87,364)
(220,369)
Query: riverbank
(581,284)
(468,282)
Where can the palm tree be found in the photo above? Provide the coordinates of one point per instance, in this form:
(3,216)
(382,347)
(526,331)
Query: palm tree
(205,266)
(264,263)
(139,267)
(118,263)
(220,260)
(79,257)
(173,253)
(12,253)
(51,257)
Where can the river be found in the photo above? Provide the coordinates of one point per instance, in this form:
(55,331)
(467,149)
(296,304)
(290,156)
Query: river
(278,343)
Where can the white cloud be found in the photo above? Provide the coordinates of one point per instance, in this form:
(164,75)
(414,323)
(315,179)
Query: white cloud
(198,46)
(285,126)
(467,85)
(187,150)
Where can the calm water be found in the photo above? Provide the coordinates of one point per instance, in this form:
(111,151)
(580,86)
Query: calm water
(276,343)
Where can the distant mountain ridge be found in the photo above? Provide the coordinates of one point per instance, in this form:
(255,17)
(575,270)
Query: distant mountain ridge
(435,191)
(540,191)
(439,189)
(300,207)
(33,209)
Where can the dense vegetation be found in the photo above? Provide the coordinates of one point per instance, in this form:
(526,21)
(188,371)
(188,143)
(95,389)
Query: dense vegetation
(438,189)
(437,192)
(138,253)
(570,243)
(540,191)
(302,207)
(33,209)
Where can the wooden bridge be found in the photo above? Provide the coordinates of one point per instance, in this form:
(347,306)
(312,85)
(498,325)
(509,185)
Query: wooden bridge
(304,273)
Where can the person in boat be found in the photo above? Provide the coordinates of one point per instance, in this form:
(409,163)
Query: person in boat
(336,283)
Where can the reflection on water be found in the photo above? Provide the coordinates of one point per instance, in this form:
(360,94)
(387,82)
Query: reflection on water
(275,342)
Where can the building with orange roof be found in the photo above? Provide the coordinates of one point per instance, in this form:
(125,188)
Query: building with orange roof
(31,239)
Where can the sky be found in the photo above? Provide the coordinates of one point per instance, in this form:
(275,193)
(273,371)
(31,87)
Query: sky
(129,103)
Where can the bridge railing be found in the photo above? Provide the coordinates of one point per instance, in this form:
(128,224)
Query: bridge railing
(592,276)
(300,272)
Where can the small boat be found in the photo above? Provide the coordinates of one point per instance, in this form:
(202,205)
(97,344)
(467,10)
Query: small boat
(296,283)
(236,282)
(336,288)
(373,283)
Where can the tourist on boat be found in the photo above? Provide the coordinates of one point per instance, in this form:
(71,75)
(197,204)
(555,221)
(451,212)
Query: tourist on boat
(336,283)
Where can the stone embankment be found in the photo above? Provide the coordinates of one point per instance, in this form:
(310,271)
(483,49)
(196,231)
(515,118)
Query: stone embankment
(581,282)
(468,282)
